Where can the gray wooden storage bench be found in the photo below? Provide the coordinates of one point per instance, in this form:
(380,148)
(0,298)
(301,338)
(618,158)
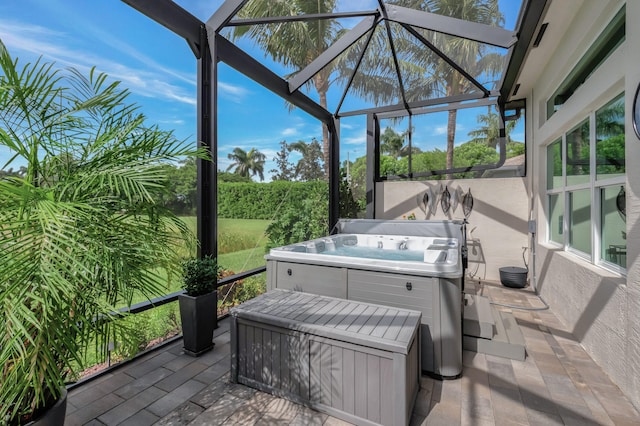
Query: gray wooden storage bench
(353,360)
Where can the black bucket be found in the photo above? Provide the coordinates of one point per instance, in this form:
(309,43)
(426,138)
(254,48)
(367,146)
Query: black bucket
(513,276)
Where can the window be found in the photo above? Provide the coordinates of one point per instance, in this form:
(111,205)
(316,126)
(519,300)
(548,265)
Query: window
(580,220)
(586,192)
(613,226)
(598,52)
(610,140)
(554,165)
(578,154)
(556,218)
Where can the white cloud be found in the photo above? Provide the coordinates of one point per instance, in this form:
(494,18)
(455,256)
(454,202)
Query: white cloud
(233,92)
(268,153)
(56,46)
(289,131)
(440,130)
(32,39)
(175,121)
(354,140)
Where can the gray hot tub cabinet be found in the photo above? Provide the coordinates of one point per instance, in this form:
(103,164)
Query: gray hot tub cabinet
(438,299)
(355,361)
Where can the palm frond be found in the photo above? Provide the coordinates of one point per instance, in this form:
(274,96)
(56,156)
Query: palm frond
(83,232)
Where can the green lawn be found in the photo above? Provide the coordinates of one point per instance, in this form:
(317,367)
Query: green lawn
(236,235)
(243,260)
(244,226)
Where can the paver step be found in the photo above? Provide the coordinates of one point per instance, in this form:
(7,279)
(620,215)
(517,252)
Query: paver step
(478,320)
(507,342)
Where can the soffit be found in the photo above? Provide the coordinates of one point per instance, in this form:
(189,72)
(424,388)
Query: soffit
(558,16)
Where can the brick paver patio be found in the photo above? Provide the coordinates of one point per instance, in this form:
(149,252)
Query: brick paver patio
(558,383)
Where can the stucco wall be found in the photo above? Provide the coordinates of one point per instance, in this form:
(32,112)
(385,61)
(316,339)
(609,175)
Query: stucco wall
(600,307)
(497,230)
(631,383)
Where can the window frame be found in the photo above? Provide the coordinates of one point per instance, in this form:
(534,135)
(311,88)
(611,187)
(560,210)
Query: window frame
(595,187)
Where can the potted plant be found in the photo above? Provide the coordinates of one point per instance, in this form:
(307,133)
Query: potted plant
(81,232)
(198,304)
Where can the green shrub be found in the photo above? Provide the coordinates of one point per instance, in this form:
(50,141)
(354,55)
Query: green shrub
(147,328)
(200,276)
(300,221)
(263,200)
(251,287)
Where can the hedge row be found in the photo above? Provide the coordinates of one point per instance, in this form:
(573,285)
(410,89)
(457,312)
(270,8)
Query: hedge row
(252,200)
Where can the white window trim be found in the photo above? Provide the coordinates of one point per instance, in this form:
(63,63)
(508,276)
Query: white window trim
(594,185)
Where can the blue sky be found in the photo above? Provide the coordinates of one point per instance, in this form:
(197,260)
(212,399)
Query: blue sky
(160,70)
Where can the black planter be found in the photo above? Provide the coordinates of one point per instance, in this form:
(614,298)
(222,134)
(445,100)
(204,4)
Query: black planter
(199,319)
(513,276)
(55,415)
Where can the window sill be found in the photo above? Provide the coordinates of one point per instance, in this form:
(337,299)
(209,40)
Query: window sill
(603,270)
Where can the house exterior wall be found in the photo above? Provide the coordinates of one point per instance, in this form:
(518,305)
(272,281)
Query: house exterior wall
(601,307)
(497,230)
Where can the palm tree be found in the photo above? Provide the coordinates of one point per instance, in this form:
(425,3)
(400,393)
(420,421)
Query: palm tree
(489,133)
(247,163)
(309,167)
(474,57)
(295,44)
(81,232)
(392,143)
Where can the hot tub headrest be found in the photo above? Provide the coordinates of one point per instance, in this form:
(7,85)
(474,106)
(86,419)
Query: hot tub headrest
(418,228)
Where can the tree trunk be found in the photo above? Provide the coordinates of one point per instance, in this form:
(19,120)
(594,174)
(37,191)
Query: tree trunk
(325,147)
(452,88)
(322,86)
(451,135)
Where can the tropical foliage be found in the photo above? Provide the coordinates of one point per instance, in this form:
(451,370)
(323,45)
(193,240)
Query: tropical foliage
(300,221)
(489,131)
(610,145)
(373,74)
(247,163)
(475,58)
(230,177)
(309,166)
(392,143)
(284,170)
(181,194)
(262,200)
(82,233)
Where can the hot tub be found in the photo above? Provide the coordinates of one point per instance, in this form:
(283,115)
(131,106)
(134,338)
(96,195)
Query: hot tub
(404,264)
(433,256)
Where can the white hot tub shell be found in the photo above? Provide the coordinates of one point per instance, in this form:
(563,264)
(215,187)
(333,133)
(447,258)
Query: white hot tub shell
(406,264)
